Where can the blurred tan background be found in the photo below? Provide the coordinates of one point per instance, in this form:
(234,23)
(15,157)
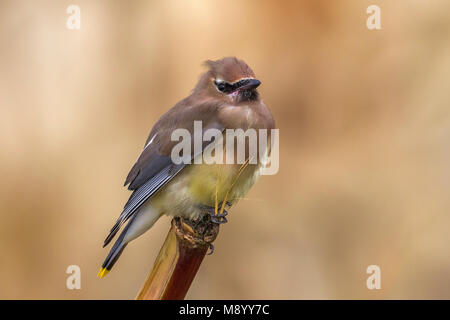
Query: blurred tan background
(364,119)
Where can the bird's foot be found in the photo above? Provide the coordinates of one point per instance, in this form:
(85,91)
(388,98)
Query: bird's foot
(211,249)
(218,218)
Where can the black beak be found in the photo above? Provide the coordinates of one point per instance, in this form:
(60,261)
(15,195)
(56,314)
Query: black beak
(249,84)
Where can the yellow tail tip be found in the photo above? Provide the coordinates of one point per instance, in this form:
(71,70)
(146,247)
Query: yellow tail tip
(103,272)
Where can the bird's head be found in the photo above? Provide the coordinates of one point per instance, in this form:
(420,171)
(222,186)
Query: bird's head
(229,79)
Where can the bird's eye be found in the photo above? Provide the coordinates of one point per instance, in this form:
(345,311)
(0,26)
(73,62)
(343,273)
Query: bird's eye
(220,85)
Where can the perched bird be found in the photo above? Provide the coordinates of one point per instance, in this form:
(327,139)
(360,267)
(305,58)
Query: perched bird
(225,97)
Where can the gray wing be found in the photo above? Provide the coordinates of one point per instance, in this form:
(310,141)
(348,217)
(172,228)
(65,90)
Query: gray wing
(154,167)
(144,192)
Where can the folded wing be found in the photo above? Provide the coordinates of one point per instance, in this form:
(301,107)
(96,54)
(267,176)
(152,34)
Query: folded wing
(154,167)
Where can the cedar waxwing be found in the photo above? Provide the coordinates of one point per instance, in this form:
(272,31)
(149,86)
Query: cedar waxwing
(224,98)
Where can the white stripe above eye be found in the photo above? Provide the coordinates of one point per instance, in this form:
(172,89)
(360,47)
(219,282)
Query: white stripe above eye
(245,78)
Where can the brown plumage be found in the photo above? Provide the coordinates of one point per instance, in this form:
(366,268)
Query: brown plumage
(225,97)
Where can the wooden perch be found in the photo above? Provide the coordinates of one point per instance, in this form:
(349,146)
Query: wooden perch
(179,259)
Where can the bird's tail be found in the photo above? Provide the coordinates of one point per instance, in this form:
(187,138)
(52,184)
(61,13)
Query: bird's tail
(137,225)
(115,252)
(111,259)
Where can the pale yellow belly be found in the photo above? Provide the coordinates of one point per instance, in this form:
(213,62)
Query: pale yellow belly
(201,184)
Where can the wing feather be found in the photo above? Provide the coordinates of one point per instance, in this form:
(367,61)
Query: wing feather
(154,167)
(140,195)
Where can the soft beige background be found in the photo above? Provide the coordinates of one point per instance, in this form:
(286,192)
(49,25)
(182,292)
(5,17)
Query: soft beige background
(364,120)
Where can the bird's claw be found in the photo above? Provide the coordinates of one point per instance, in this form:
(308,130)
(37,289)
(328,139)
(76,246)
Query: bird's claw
(220,215)
(219,219)
(211,249)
